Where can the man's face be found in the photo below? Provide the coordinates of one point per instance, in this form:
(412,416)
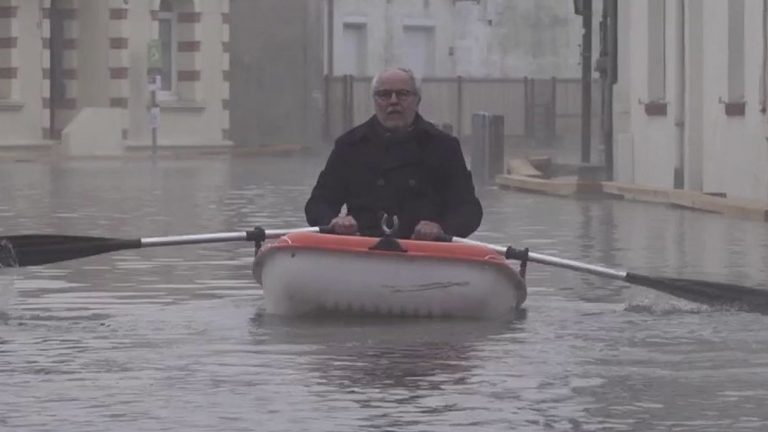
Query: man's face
(396,100)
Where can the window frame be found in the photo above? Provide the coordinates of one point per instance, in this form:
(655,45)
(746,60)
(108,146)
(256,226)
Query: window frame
(172,17)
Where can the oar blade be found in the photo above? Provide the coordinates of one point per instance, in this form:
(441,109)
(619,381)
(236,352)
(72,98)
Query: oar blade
(706,292)
(39,249)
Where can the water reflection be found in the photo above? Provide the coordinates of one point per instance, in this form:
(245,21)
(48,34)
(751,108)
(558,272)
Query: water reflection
(357,354)
(390,375)
(7,256)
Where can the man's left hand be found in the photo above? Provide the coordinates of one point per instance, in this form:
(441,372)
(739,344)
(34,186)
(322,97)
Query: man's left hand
(426,230)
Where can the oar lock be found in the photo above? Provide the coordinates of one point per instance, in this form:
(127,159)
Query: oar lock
(257,235)
(385,226)
(388,241)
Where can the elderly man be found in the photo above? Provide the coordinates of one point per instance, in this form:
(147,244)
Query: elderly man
(398,164)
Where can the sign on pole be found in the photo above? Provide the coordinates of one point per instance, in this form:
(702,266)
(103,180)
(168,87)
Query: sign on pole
(154,117)
(154,55)
(154,67)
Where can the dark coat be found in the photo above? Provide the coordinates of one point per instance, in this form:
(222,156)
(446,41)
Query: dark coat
(417,175)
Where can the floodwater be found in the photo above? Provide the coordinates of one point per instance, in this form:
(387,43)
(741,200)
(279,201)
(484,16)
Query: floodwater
(171,338)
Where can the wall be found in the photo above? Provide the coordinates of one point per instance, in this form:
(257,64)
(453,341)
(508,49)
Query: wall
(184,122)
(277,72)
(651,139)
(735,154)
(486,38)
(93,53)
(722,154)
(536,38)
(20,117)
(623,143)
(694,118)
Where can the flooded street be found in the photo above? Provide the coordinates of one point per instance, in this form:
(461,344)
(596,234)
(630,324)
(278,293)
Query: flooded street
(172,338)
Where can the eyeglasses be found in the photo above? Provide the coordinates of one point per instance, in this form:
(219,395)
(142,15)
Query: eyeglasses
(386,95)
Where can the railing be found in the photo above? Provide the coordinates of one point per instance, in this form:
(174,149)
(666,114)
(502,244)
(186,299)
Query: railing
(539,111)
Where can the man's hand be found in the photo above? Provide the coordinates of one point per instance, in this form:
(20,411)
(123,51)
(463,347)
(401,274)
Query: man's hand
(344,225)
(426,230)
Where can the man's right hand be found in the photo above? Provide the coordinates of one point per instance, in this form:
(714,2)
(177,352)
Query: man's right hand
(344,225)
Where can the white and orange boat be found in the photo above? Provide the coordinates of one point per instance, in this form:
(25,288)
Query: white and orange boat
(306,273)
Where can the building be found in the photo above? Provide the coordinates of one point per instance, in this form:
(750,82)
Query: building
(277,72)
(690,103)
(289,58)
(74,74)
(447,38)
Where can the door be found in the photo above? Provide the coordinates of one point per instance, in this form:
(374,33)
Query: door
(354,55)
(419,49)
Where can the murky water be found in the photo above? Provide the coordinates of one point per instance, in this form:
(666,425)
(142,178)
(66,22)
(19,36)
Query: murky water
(171,338)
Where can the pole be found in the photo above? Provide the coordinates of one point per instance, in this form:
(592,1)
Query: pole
(586,82)
(55,66)
(680,106)
(329,69)
(610,15)
(154,71)
(154,112)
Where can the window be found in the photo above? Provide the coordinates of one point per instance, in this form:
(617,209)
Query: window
(419,49)
(735,51)
(355,48)
(657,24)
(167,35)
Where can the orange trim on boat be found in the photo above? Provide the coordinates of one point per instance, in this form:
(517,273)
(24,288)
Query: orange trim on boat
(358,244)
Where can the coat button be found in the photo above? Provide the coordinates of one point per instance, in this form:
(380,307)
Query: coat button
(411,182)
(380,182)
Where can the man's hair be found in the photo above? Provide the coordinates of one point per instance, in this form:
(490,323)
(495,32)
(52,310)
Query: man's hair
(415,81)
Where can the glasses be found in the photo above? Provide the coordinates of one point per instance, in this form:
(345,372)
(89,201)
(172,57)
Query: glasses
(385,95)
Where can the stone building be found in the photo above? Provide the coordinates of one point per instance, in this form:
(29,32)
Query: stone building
(74,74)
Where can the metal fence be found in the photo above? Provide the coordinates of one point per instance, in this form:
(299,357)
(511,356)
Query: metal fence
(542,112)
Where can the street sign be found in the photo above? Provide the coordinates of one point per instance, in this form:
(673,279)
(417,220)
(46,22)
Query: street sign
(154,54)
(154,117)
(155,83)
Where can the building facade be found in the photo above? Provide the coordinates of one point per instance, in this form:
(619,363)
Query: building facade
(690,107)
(290,59)
(277,72)
(74,74)
(448,38)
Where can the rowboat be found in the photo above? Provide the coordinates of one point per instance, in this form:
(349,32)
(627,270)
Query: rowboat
(308,273)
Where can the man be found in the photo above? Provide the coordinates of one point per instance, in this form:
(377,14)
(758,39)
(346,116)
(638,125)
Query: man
(398,164)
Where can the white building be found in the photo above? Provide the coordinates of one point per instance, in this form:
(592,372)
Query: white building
(74,72)
(446,38)
(690,108)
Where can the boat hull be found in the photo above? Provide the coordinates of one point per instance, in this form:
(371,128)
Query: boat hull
(310,273)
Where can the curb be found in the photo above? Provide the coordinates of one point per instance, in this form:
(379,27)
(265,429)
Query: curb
(49,153)
(573,186)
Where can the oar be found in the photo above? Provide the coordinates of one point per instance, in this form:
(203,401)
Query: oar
(700,291)
(38,249)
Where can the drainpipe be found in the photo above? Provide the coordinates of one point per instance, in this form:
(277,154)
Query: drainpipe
(389,58)
(679,180)
(764,69)
(586,81)
(330,23)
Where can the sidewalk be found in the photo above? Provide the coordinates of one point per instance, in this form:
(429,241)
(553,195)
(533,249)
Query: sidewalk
(527,175)
(52,151)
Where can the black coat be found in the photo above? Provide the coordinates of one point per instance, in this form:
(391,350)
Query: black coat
(417,175)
